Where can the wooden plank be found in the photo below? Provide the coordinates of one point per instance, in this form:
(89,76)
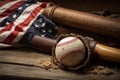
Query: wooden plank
(23,56)
(34,72)
(20,62)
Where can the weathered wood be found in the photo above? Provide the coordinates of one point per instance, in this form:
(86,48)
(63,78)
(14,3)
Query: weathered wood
(21,63)
(34,72)
(22,56)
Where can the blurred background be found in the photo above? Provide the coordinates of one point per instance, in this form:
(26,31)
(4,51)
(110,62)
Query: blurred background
(89,5)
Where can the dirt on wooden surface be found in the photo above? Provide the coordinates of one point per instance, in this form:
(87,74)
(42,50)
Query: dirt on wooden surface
(101,70)
(47,64)
(98,69)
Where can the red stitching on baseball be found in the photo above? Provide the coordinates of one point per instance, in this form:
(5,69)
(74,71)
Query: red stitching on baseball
(63,56)
(67,42)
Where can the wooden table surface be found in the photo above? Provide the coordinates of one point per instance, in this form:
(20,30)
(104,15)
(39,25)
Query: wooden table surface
(19,63)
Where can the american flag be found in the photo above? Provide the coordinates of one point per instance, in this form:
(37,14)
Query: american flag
(20,20)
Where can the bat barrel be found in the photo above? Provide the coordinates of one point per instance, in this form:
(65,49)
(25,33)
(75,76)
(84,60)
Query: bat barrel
(84,21)
(107,53)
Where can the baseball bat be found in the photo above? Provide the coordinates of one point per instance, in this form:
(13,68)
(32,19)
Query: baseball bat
(84,21)
(107,53)
(100,51)
(42,43)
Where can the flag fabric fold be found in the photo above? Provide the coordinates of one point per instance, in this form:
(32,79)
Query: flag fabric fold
(20,20)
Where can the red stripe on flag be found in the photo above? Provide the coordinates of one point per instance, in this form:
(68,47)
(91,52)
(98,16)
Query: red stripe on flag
(44,4)
(4,2)
(10,38)
(19,28)
(11,9)
(7,28)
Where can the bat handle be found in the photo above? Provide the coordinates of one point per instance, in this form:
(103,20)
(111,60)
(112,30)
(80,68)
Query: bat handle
(42,43)
(107,53)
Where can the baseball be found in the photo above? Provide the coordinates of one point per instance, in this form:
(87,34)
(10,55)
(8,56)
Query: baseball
(70,51)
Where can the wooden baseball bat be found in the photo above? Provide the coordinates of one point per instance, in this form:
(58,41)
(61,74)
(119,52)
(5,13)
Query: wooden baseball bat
(42,43)
(84,21)
(107,53)
(103,52)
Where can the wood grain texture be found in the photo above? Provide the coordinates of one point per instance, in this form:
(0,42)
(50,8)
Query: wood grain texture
(20,63)
(33,72)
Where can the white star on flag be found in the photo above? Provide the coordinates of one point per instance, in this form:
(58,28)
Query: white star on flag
(14,16)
